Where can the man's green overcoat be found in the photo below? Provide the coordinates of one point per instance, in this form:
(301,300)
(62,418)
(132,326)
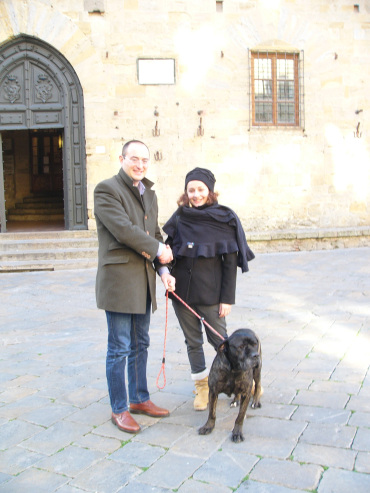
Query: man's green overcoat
(129,236)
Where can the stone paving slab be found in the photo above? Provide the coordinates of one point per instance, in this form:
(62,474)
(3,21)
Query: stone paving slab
(339,481)
(322,455)
(287,473)
(329,435)
(363,462)
(171,470)
(311,311)
(256,487)
(227,468)
(321,415)
(192,486)
(105,476)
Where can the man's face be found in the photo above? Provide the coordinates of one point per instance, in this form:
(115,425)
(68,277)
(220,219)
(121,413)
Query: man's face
(136,161)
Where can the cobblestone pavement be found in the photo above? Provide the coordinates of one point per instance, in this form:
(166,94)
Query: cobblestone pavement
(312,313)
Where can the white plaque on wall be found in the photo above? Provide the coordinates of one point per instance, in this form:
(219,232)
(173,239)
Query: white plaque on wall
(156,70)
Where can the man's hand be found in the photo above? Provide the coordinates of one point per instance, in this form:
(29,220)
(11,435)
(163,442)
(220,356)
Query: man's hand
(168,281)
(166,256)
(224,310)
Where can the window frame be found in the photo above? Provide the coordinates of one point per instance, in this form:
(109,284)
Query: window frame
(298,100)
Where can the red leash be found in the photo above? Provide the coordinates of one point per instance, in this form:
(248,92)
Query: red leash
(164,350)
(200,318)
(165,336)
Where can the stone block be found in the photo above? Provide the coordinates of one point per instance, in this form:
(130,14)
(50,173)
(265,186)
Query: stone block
(342,481)
(34,479)
(163,434)
(323,399)
(324,456)
(226,468)
(277,429)
(321,415)
(362,440)
(363,462)
(106,475)
(70,461)
(171,470)
(14,432)
(329,435)
(262,446)
(287,473)
(138,454)
(56,437)
(192,486)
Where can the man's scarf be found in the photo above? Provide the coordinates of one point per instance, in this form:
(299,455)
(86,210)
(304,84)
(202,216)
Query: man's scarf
(208,232)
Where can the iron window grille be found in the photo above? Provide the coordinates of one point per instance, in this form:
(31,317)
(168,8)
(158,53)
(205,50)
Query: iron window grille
(276,96)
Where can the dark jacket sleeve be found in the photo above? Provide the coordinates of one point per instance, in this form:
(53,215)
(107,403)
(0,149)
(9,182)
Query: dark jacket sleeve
(228,282)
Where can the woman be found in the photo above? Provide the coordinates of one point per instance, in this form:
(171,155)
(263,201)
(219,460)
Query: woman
(208,244)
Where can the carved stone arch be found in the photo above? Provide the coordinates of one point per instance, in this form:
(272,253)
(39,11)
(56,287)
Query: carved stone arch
(39,89)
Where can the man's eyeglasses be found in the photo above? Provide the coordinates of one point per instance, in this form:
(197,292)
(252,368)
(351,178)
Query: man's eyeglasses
(136,160)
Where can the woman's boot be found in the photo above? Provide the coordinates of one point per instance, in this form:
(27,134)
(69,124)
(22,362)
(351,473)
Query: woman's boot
(201,394)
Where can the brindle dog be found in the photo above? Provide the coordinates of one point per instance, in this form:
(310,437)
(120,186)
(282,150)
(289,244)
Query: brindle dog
(235,368)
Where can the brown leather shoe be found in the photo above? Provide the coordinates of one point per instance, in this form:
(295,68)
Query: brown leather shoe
(125,422)
(149,409)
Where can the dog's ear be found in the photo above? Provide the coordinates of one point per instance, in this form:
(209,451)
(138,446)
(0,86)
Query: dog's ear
(223,347)
(223,351)
(250,345)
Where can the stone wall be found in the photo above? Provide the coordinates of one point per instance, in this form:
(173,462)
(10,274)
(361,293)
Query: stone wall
(316,177)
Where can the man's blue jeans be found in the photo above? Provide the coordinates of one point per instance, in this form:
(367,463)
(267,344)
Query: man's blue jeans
(128,338)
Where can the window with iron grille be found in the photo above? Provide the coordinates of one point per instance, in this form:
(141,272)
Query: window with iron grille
(276,89)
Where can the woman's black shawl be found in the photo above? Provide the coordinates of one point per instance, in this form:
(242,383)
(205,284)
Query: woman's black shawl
(208,232)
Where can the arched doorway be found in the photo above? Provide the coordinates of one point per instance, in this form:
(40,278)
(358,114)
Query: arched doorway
(41,132)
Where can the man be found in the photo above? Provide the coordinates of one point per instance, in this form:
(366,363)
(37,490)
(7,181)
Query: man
(131,250)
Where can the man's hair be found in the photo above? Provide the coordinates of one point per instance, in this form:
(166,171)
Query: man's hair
(126,146)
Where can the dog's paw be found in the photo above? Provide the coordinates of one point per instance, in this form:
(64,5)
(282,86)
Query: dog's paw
(234,403)
(237,437)
(256,405)
(205,430)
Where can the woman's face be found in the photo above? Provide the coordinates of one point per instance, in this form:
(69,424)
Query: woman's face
(197,192)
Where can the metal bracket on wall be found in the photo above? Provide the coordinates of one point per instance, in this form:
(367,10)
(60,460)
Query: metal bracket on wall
(156,132)
(200,130)
(158,156)
(357,132)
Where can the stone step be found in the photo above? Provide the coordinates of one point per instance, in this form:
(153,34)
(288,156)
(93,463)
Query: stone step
(47,254)
(44,211)
(53,235)
(42,198)
(37,208)
(47,250)
(47,244)
(23,216)
(38,205)
(28,266)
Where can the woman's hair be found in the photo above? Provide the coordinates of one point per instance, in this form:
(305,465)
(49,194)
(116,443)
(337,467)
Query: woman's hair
(211,199)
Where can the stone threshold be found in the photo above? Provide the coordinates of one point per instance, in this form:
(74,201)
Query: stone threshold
(308,239)
(319,233)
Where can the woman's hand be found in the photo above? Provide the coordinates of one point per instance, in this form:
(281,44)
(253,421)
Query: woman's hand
(168,281)
(224,310)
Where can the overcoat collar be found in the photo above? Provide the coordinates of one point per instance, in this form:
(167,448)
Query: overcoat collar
(147,199)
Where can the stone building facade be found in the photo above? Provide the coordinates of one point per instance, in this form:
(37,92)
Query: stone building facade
(271,95)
